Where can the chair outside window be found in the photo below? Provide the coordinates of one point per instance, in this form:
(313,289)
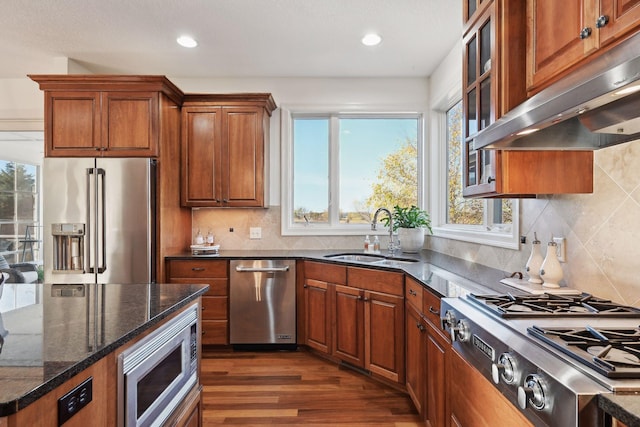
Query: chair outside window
(23,272)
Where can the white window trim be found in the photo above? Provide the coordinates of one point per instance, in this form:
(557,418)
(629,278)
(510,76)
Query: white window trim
(288,228)
(438,170)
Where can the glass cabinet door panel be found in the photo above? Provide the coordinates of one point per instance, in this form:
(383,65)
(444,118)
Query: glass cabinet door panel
(472,52)
(485,48)
(471,8)
(485,103)
(472,165)
(472,114)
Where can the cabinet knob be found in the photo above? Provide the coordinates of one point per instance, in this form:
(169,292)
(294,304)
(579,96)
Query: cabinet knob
(412,292)
(420,326)
(586,32)
(225,200)
(602,21)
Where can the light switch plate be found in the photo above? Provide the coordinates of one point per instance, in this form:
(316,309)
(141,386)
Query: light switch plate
(561,248)
(255,232)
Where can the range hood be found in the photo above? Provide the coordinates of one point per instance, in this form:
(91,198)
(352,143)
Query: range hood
(596,106)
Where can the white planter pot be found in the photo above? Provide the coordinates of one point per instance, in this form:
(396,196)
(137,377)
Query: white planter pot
(411,239)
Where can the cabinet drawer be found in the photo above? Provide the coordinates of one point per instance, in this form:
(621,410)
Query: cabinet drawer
(376,280)
(413,294)
(215,308)
(325,272)
(431,305)
(215,332)
(217,287)
(198,268)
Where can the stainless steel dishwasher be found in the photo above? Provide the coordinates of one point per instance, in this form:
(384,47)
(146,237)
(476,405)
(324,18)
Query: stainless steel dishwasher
(262,304)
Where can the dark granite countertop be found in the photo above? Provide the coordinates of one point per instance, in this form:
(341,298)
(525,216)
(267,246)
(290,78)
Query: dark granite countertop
(48,333)
(623,407)
(445,275)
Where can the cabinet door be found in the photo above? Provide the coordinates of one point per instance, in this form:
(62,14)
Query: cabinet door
(72,124)
(474,401)
(130,123)
(201,156)
(317,315)
(437,352)
(561,33)
(243,157)
(622,18)
(348,337)
(384,335)
(416,359)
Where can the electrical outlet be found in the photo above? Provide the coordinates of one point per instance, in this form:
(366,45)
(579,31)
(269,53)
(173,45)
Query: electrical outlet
(255,232)
(561,248)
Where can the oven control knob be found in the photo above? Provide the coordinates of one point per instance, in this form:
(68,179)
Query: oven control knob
(461,332)
(505,369)
(531,392)
(449,319)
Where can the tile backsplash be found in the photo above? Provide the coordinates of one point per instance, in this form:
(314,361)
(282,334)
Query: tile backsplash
(602,230)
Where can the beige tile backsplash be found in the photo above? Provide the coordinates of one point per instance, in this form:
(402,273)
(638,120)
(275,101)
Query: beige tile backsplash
(602,230)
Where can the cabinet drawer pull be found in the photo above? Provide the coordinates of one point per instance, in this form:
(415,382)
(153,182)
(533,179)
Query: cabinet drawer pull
(420,326)
(412,292)
(433,310)
(197,269)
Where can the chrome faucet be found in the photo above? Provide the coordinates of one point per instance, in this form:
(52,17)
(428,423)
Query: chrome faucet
(374,224)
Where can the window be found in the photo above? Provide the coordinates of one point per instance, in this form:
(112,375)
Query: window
(339,168)
(487,221)
(19,197)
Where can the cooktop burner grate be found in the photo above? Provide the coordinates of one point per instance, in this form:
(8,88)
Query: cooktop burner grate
(614,352)
(547,305)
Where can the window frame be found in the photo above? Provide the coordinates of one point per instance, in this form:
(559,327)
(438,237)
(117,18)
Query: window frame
(480,234)
(334,113)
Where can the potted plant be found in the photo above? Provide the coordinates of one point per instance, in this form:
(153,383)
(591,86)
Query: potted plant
(410,223)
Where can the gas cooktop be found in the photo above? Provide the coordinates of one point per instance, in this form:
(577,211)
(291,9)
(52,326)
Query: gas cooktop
(548,305)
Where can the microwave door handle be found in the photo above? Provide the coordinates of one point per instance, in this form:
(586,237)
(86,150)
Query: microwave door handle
(102,223)
(88,258)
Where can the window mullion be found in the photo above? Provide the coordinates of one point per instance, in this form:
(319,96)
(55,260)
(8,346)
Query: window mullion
(334,170)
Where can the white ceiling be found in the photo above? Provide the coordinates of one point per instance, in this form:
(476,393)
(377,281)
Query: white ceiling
(238,38)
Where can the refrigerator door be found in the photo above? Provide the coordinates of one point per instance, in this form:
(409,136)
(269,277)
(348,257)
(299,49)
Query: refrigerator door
(112,200)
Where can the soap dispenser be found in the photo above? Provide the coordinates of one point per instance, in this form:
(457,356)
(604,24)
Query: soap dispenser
(535,261)
(551,270)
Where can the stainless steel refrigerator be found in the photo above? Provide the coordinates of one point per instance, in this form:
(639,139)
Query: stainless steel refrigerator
(99,220)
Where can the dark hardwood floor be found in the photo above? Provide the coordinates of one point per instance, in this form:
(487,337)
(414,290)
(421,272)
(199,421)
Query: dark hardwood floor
(295,388)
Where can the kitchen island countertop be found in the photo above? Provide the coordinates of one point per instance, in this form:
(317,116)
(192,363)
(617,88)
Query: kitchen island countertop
(49,333)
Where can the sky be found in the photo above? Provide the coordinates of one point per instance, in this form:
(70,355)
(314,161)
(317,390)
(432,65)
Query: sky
(364,143)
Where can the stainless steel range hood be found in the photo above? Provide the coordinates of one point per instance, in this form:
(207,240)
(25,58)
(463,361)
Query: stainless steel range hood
(594,107)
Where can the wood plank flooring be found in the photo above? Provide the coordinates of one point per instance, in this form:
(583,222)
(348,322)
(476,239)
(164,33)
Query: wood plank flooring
(295,389)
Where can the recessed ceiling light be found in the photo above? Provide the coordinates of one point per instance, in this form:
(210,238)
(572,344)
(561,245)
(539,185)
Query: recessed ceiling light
(371,39)
(187,41)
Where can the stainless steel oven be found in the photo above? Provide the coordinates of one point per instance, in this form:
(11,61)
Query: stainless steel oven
(156,374)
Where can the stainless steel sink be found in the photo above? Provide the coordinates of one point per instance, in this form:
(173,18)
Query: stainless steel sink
(356,257)
(372,259)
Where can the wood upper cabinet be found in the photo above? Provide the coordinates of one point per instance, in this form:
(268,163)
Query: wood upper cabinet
(561,35)
(493,83)
(104,116)
(471,10)
(225,150)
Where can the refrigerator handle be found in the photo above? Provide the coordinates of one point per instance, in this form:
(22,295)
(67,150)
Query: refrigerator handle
(102,223)
(88,257)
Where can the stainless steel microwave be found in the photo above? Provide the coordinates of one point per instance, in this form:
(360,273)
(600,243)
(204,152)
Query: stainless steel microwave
(157,373)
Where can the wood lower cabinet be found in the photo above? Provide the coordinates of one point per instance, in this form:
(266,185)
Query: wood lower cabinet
(368,316)
(215,303)
(474,401)
(437,349)
(225,150)
(416,358)
(317,322)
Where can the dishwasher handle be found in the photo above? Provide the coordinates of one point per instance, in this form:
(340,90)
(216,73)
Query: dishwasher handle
(241,269)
